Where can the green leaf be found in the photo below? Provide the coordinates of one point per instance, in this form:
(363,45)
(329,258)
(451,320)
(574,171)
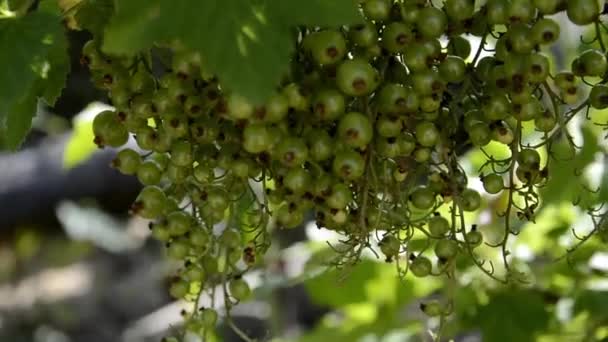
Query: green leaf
(93,15)
(594,302)
(319,12)
(350,290)
(59,68)
(135,25)
(56,66)
(368,281)
(246,43)
(331,289)
(564,183)
(513,315)
(18,121)
(35,53)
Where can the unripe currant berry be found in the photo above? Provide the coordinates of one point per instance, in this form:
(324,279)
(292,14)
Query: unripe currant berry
(427,134)
(108,130)
(357,77)
(395,98)
(150,202)
(598,97)
(421,266)
(179,289)
(396,36)
(446,249)
(432,308)
(355,129)
(492,183)
(364,35)
(239,107)
(292,151)
(239,289)
(208,318)
(328,104)
(474,238)
(452,69)
(149,173)
(257,138)
(470,200)
(545,31)
(431,22)
(127,161)
(179,223)
(422,198)
(582,12)
(546,121)
(326,47)
(339,196)
(348,165)
(438,226)
(377,10)
(390,246)
(459,10)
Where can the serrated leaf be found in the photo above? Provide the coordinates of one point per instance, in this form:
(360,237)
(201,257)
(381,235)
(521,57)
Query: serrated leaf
(93,15)
(514,315)
(19,120)
(59,68)
(35,48)
(246,43)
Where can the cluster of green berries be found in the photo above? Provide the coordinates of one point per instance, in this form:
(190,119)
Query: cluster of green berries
(364,132)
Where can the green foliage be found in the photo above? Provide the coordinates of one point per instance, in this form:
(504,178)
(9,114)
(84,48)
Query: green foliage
(568,161)
(93,15)
(593,302)
(37,67)
(361,124)
(516,315)
(371,298)
(356,286)
(246,43)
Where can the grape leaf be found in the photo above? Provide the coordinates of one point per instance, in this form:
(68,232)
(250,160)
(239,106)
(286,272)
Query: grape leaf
(514,315)
(246,43)
(38,63)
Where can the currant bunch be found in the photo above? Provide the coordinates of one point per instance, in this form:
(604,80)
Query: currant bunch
(365,132)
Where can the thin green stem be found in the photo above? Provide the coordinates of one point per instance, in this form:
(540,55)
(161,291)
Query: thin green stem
(228,305)
(599,36)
